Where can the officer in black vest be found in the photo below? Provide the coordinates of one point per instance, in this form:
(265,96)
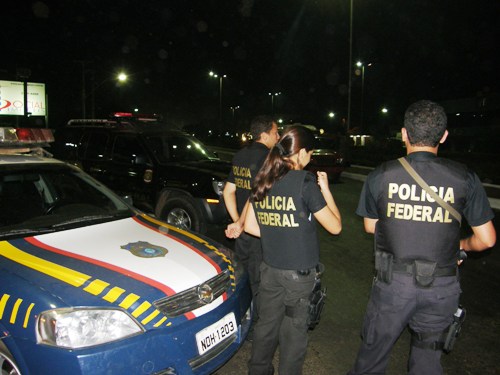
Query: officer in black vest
(417,245)
(287,204)
(246,164)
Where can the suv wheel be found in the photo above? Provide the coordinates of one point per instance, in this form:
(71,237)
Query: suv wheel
(182,213)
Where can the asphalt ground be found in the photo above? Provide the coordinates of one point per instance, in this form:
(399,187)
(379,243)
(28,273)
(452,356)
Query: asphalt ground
(349,273)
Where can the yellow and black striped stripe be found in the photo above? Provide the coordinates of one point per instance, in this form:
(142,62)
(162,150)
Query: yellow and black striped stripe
(138,307)
(197,239)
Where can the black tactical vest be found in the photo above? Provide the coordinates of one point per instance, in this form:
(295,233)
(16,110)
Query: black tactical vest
(287,225)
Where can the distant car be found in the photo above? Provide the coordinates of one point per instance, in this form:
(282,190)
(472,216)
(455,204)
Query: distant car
(327,157)
(166,172)
(91,285)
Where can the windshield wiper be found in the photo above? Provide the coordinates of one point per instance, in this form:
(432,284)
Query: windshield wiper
(25,232)
(82,219)
(91,218)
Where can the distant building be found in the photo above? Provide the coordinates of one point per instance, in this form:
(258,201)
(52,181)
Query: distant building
(473,123)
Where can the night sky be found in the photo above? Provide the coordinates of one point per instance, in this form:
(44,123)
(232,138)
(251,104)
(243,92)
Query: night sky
(433,49)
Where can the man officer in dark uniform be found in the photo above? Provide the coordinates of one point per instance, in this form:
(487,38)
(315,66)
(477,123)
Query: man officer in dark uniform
(246,164)
(417,245)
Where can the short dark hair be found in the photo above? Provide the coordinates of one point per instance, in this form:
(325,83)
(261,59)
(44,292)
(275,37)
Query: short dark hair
(425,123)
(260,124)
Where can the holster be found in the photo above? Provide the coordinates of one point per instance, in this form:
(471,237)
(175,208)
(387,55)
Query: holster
(454,329)
(383,265)
(424,272)
(316,303)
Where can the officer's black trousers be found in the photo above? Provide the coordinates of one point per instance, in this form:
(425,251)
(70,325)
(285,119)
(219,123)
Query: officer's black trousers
(279,289)
(249,251)
(393,307)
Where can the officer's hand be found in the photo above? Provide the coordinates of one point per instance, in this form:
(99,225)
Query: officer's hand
(323,181)
(462,257)
(233,230)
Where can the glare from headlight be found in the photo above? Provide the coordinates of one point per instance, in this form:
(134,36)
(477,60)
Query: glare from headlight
(80,328)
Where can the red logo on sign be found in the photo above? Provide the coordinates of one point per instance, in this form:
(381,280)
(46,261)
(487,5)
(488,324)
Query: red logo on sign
(4,104)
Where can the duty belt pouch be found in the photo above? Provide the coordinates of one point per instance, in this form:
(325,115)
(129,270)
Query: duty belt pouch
(383,265)
(424,273)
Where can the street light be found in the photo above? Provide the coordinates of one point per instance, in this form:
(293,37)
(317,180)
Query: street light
(121,77)
(272,100)
(359,64)
(221,76)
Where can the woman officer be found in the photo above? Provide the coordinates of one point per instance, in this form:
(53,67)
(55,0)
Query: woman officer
(286,201)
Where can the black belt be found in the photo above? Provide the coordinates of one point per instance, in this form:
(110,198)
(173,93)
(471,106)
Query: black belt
(319,269)
(304,272)
(404,267)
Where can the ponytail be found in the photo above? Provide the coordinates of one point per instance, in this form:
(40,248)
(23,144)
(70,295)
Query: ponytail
(278,161)
(275,166)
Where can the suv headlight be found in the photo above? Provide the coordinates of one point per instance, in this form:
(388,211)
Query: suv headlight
(79,328)
(218,187)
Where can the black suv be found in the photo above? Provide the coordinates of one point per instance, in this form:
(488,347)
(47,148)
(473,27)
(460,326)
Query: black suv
(166,172)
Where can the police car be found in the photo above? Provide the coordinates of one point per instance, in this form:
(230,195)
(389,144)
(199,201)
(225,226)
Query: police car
(91,285)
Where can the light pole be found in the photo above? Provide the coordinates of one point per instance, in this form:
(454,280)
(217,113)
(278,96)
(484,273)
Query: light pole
(331,116)
(272,101)
(350,68)
(234,109)
(220,76)
(359,64)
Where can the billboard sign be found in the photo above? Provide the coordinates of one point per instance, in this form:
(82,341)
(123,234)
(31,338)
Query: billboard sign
(12,98)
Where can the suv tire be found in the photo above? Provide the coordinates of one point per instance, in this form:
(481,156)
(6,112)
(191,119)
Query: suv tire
(181,212)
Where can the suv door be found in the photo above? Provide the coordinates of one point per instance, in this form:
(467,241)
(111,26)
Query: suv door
(92,154)
(131,170)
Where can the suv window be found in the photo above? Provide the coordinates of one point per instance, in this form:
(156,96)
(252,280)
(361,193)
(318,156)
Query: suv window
(96,145)
(177,148)
(127,150)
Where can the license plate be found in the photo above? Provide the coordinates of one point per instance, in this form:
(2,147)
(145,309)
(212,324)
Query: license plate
(209,337)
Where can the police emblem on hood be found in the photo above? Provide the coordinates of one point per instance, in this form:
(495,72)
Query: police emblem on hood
(145,249)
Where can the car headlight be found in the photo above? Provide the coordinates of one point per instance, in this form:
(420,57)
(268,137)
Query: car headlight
(80,328)
(218,187)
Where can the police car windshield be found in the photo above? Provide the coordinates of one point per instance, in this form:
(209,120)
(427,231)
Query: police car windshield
(41,197)
(178,148)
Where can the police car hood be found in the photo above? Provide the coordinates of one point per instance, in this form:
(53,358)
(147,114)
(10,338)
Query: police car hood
(136,258)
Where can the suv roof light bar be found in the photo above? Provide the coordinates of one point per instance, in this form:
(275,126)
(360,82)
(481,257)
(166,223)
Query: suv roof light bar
(141,117)
(122,114)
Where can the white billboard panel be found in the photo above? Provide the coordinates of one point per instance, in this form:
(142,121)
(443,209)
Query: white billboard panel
(12,98)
